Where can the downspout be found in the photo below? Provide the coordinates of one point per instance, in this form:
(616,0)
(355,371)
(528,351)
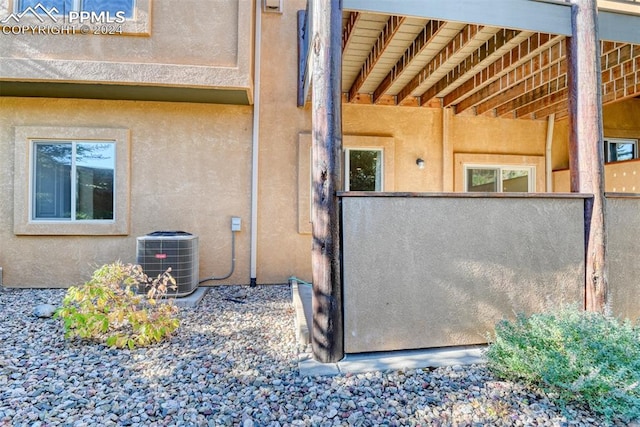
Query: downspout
(255,145)
(549,145)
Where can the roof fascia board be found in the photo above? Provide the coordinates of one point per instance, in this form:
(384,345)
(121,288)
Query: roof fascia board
(619,27)
(527,15)
(543,16)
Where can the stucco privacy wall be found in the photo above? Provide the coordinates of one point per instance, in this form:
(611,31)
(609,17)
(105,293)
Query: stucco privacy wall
(188,172)
(191,42)
(623,235)
(454,265)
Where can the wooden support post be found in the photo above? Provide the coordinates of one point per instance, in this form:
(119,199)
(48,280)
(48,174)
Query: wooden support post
(586,146)
(326,119)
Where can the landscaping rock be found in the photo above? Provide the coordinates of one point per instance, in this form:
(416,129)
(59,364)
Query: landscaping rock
(235,364)
(44,310)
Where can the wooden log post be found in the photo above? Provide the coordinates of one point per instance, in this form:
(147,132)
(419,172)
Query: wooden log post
(327,330)
(586,146)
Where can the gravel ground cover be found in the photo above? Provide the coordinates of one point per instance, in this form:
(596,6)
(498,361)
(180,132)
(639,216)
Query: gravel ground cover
(234,362)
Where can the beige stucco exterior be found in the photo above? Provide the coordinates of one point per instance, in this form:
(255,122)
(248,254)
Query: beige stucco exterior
(621,120)
(190,162)
(188,172)
(193,45)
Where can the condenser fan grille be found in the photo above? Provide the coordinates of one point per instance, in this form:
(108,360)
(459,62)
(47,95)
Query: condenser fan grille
(160,250)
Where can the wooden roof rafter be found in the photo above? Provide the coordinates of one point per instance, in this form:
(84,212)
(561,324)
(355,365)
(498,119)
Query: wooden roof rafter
(526,88)
(620,61)
(494,44)
(517,106)
(513,83)
(377,50)
(463,55)
(352,21)
(526,50)
(430,30)
(444,56)
(545,104)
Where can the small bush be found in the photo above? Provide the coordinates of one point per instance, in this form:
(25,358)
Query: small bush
(573,356)
(108,309)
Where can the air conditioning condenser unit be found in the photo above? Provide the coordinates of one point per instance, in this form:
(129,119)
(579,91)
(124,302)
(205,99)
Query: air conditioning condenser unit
(158,251)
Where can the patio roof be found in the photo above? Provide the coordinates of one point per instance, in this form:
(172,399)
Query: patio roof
(463,55)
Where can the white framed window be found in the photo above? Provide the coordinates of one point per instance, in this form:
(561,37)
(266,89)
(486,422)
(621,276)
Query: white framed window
(499,178)
(384,144)
(100,17)
(73,181)
(618,149)
(122,7)
(364,169)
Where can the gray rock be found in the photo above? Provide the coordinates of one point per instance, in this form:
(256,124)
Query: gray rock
(235,364)
(44,310)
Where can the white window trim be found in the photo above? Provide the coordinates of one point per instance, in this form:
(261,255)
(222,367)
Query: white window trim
(531,181)
(347,150)
(137,25)
(74,171)
(24,224)
(607,141)
(352,141)
(75,6)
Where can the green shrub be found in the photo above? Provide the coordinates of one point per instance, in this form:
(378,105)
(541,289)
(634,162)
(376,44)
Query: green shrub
(573,356)
(108,308)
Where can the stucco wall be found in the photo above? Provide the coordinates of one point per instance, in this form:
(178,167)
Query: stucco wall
(284,248)
(440,271)
(188,172)
(282,252)
(211,54)
(193,42)
(623,235)
(619,177)
(620,120)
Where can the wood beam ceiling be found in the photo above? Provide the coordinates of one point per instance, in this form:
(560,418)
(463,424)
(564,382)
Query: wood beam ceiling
(381,44)
(352,21)
(512,83)
(441,59)
(430,30)
(492,71)
(494,44)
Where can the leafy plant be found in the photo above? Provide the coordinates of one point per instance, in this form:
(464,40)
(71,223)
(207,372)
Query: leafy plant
(574,356)
(108,307)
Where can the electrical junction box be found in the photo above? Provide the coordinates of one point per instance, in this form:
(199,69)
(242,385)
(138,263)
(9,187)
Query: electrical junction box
(272,6)
(236,223)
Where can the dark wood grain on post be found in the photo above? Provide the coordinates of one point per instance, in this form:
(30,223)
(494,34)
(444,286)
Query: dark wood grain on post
(586,146)
(326,45)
